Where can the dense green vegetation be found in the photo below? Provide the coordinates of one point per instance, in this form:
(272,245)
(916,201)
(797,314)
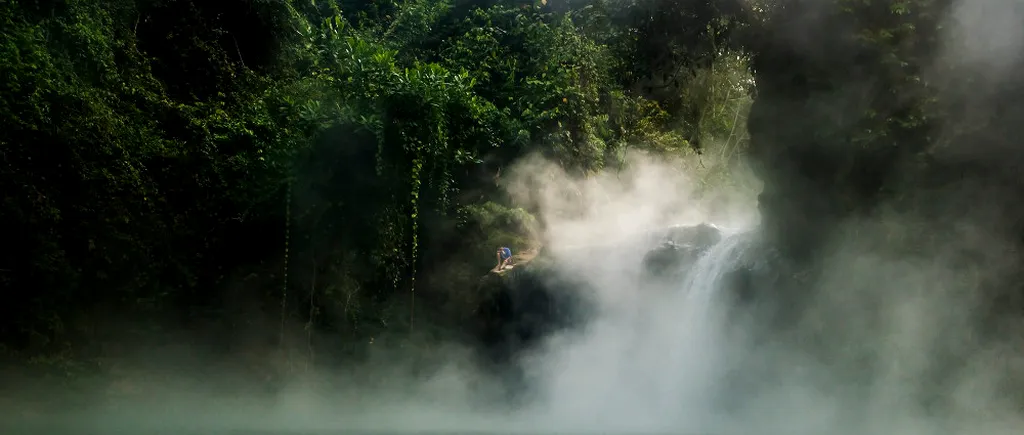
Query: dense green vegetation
(330,166)
(264,165)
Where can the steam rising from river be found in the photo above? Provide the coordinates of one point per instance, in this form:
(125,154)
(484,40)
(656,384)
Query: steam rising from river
(647,360)
(885,343)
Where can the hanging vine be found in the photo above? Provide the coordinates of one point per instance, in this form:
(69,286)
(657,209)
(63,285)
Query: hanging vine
(417,167)
(284,279)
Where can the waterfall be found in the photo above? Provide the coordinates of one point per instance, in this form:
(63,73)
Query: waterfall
(689,333)
(705,277)
(649,362)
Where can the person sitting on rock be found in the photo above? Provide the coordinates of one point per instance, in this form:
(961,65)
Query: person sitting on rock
(504,256)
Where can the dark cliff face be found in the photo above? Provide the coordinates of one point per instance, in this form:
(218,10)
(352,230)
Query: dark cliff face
(519,310)
(861,112)
(836,121)
(849,126)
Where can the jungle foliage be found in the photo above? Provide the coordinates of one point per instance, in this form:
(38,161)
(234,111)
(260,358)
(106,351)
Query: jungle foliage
(327,164)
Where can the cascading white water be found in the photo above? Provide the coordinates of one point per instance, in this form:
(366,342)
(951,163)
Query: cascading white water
(690,335)
(706,274)
(651,360)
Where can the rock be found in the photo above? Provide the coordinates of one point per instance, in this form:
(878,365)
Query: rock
(701,235)
(679,248)
(520,308)
(521,305)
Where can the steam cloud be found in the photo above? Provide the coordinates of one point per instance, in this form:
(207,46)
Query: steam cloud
(890,333)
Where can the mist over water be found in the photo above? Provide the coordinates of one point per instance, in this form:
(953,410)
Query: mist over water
(857,359)
(651,364)
(647,360)
(884,344)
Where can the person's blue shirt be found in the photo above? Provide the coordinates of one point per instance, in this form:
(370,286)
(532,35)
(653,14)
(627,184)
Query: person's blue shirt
(505,253)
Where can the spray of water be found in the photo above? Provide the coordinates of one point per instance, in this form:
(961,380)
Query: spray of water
(650,360)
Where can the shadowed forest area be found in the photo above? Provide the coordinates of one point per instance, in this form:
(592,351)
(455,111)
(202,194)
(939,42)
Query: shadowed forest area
(224,167)
(286,184)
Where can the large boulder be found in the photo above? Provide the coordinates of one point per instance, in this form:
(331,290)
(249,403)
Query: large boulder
(519,309)
(678,248)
